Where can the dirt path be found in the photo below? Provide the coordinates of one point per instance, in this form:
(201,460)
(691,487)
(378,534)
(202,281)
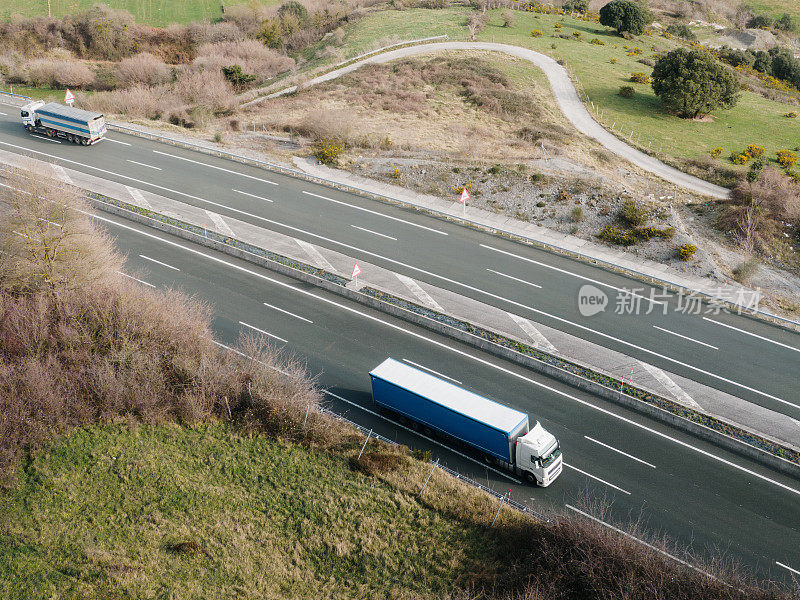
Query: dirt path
(566,96)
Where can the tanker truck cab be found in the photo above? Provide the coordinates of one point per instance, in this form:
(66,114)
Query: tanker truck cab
(539,455)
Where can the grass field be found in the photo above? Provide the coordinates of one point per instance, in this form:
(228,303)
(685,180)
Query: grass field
(151,12)
(755,120)
(776,7)
(101,515)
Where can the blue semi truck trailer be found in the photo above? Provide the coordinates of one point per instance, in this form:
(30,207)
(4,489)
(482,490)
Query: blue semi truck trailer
(501,433)
(57,120)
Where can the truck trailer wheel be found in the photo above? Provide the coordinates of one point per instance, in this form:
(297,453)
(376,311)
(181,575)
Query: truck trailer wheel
(84,141)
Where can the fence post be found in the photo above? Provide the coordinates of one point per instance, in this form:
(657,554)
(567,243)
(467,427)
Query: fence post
(365,444)
(436,464)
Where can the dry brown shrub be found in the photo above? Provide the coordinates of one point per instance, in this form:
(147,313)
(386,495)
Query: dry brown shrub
(328,124)
(59,73)
(142,69)
(207,88)
(254,58)
(213,33)
(138,101)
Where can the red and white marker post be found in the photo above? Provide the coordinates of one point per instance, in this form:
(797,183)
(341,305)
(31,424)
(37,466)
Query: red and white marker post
(463,200)
(69,98)
(356,273)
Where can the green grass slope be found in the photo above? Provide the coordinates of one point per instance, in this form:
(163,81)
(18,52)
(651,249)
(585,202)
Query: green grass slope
(103,514)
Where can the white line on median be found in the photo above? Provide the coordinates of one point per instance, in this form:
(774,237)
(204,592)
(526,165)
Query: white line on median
(144,165)
(431,371)
(158,262)
(288,313)
(780,564)
(684,337)
(619,451)
(197,162)
(597,479)
(441,277)
(755,335)
(267,333)
(628,535)
(536,285)
(375,212)
(116,141)
(374,232)
(438,344)
(541,264)
(425,437)
(252,195)
(135,279)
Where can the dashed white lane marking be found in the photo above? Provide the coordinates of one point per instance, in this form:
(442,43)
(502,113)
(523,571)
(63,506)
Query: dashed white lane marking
(685,337)
(267,333)
(424,437)
(253,196)
(536,285)
(780,564)
(619,451)
(761,337)
(47,139)
(220,223)
(383,235)
(59,225)
(611,485)
(197,162)
(438,344)
(144,165)
(419,293)
(135,279)
(62,174)
(4,114)
(431,274)
(419,366)
(140,199)
(116,141)
(536,335)
(375,212)
(628,535)
(570,273)
(158,262)
(286,312)
(664,379)
(316,255)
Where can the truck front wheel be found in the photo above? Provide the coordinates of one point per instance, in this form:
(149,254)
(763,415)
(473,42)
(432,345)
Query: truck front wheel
(531,478)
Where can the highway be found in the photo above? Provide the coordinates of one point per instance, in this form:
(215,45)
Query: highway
(739,355)
(628,467)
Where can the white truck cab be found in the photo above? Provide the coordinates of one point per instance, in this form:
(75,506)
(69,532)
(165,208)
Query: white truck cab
(539,455)
(28,114)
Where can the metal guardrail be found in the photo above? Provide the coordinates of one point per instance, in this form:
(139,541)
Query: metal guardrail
(455,474)
(389,47)
(15,95)
(460,219)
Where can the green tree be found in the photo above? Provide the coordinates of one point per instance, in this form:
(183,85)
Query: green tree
(693,83)
(625,15)
(295,9)
(236,76)
(580,6)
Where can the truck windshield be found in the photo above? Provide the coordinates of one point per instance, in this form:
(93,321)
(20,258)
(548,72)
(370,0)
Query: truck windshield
(550,458)
(24,113)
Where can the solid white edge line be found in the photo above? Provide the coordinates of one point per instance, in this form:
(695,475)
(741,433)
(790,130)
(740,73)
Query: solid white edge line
(252,195)
(423,436)
(267,333)
(536,285)
(456,351)
(541,264)
(419,366)
(375,212)
(780,564)
(633,537)
(619,451)
(442,277)
(197,162)
(755,335)
(291,314)
(143,165)
(596,478)
(116,141)
(685,337)
(135,279)
(374,232)
(158,262)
